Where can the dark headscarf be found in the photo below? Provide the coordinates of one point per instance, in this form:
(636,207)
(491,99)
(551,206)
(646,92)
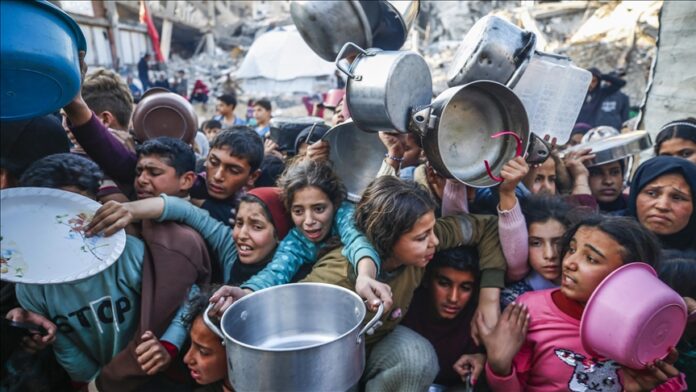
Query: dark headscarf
(657,167)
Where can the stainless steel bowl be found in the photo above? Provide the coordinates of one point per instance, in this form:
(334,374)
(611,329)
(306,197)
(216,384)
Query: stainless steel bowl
(614,148)
(356,155)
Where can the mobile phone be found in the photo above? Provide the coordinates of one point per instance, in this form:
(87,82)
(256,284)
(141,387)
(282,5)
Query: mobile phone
(23,329)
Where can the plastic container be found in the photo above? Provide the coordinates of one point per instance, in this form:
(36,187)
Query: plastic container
(552,90)
(632,317)
(39,64)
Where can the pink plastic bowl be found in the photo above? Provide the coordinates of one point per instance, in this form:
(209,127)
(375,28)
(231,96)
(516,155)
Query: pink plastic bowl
(632,317)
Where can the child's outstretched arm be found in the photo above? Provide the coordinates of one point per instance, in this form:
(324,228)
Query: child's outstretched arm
(512,227)
(114,216)
(356,247)
(293,251)
(104,148)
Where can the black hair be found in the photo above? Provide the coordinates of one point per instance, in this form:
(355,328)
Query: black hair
(228,99)
(271,169)
(25,142)
(678,270)
(211,124)
(683,129)
(542,208)
(637,243)
(174,152)
(196,303)
(61,170)
(243,142)
(463,258)
(264,103)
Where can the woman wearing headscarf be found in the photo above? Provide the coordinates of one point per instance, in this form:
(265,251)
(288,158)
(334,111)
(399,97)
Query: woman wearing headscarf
(663,199)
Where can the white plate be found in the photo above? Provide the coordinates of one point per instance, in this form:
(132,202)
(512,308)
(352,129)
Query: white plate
(41,240)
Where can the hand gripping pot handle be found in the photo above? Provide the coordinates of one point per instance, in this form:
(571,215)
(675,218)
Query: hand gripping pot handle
(211,325)
(343,65)
(370,327)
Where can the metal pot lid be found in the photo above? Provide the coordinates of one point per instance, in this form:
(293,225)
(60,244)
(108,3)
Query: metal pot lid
(471,115)
(614,148)
(493,49)
(357,156)
(327,25)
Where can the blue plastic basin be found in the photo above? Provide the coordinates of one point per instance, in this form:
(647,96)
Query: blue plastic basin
(39,64)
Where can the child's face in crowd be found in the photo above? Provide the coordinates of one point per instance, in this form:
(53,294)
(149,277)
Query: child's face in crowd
(253,233)
(210,133)
(224,109)
(206,358)
(312,212)
(544,239)
(606,182)
(417,246)
(450,291)
(226,174)
(542,179)
(680,148)
(411,151)
(155,177)
(665,205)
(592,255)
(261,114)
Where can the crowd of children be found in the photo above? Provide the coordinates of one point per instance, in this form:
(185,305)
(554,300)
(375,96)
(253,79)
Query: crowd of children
(483,288)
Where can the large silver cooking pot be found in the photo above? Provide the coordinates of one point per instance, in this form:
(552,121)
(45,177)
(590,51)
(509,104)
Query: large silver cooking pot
(493,49)
(356,155)
(383,86)
(461,129)
(295,337)
(327,25)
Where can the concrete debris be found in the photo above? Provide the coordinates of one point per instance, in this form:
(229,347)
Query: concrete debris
(612,36)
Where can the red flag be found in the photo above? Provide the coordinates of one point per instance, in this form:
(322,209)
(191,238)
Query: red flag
(151,30)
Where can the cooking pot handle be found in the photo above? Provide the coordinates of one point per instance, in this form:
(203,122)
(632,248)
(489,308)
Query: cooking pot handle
(370,326)
(518,152)
(341,64)
(211,325)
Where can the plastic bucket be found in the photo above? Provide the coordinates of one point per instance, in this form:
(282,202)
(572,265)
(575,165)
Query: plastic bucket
(632,317)
(39,64)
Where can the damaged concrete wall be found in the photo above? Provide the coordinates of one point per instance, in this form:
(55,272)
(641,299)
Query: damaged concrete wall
(671,93)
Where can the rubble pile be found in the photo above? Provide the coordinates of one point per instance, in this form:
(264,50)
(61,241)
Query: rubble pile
(612,36)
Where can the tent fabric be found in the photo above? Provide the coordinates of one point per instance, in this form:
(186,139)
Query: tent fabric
(281,55)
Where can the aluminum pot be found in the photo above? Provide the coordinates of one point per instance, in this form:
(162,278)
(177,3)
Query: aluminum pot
(383,86)
(295,337)
(356,155)
(493,49)
(327,25)
(461,131)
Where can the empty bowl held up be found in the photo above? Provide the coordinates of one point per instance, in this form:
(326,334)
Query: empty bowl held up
(163,113)
(632,317)
(39,62)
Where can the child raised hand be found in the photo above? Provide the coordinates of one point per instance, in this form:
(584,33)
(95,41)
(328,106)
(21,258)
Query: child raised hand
(506,338)
(153,357)
(512,173)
